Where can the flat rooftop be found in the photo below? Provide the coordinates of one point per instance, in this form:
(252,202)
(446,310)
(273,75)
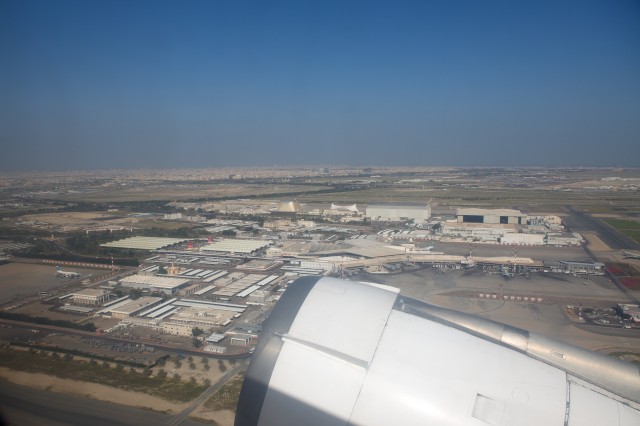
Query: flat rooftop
(259,264)
(236,283)
(91,292)
(144,243)
(236,246)
(136,305)
(202,313)
(157,282)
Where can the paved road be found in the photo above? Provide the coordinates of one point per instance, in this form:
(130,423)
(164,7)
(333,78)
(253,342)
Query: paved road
(179,418)
(25,406)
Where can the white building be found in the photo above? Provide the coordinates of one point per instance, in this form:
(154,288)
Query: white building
(215,349)
(563,239)
(144,243)
(202,317)
(236,246)
(398,212)
(311,264)
(523,239)
(476,231)
(89,297)
(258,297)
(166,285)
(173,216)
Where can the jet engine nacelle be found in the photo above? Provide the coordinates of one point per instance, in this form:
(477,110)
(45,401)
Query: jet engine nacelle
(336,352)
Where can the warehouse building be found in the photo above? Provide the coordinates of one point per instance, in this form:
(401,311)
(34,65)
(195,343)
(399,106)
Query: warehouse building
(166,285)
(89,297)
(203,317)
(236,246)
(323,265)
(144,243)
(398,212)
(523,239)
(493,216)
(132,307)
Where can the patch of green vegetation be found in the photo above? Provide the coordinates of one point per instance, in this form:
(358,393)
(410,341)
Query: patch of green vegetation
(21,235)
(44,249)
(227,396)
(70,353)
(40,362)
(630,228)
(623,223)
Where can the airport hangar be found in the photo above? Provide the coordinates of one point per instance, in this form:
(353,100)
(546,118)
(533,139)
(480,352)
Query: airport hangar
(398,211)
(495,216)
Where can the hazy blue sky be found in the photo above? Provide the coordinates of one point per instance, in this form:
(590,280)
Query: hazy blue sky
(88,84)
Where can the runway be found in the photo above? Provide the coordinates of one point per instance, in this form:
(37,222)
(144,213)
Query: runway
(580,221)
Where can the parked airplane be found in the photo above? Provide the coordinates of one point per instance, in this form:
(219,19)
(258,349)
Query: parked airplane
(66,274)
(630,255)
(335,352)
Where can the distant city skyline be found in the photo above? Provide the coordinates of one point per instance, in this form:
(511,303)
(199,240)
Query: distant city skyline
(197,84)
